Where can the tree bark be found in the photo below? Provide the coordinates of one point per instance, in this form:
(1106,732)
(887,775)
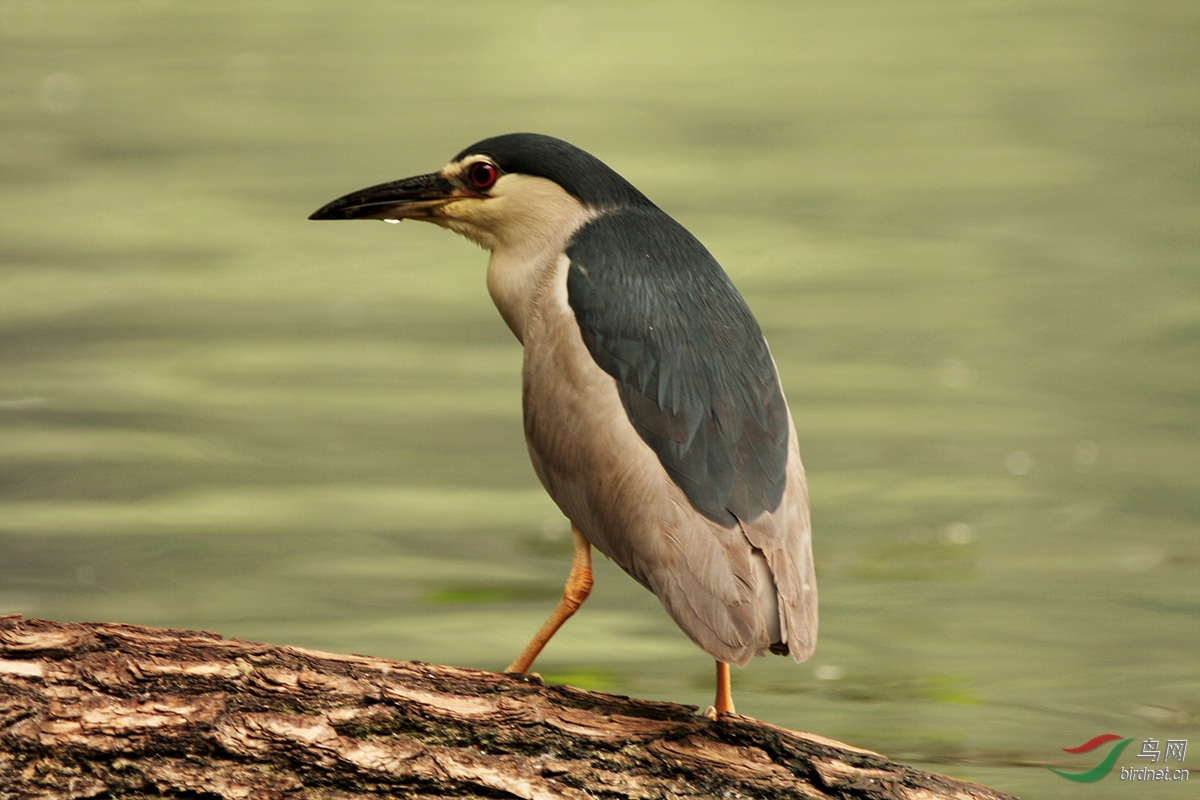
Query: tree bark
(120,711)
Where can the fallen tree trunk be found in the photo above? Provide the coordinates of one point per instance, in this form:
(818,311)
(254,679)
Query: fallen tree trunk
(120,711)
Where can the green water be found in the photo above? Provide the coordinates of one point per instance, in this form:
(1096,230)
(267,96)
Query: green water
(970,230)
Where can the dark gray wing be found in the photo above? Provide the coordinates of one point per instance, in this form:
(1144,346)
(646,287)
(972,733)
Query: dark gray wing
(659,314)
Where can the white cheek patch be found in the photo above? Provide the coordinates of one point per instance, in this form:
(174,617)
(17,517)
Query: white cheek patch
(532,214)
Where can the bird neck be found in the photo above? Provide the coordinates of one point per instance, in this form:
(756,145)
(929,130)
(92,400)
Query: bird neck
(520,285)
(539,222)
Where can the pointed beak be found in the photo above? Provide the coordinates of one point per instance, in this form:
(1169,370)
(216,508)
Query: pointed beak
(409,198)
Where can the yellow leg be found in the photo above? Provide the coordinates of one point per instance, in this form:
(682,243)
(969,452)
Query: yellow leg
(724,701)
(576,590)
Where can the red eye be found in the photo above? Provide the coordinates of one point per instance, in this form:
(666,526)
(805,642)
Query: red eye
(483,174)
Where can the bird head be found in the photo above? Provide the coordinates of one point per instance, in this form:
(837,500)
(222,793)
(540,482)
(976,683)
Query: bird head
(514,191)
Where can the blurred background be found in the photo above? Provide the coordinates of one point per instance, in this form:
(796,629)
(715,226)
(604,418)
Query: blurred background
(970,230)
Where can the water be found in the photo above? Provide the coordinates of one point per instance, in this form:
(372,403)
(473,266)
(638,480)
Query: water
(969,231)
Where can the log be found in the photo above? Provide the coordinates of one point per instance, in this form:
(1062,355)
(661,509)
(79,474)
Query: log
(120,711)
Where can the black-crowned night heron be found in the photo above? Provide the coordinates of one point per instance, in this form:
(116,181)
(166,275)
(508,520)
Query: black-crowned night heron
(653,409)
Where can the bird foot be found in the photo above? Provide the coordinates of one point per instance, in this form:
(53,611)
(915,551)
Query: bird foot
(527,677)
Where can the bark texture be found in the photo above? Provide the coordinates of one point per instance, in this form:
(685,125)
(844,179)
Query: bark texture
(120,711)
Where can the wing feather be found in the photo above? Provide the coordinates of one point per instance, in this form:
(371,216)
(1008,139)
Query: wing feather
(694,374)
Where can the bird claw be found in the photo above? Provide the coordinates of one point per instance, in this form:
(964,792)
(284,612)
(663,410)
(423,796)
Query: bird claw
(710,713)
(527,677)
